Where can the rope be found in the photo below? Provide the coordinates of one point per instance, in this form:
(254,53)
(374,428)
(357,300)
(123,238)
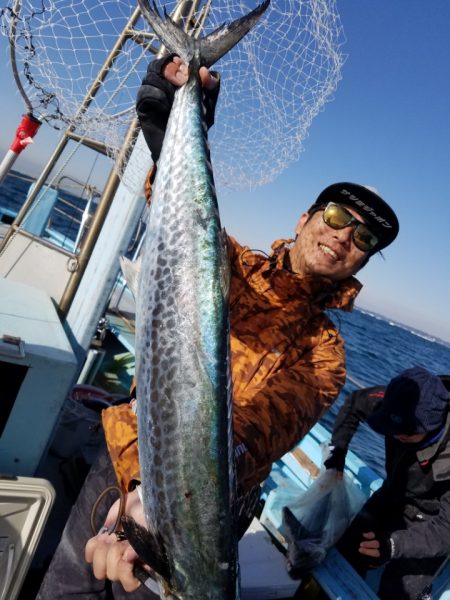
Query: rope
(115,528)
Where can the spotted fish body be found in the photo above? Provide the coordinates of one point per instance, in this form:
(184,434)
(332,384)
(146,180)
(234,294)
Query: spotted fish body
(182,349)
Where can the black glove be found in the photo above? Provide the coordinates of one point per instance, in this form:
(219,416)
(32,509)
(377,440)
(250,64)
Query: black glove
(154,101)
(384,549)
(336,460)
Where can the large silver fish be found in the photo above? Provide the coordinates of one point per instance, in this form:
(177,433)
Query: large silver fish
(182,348)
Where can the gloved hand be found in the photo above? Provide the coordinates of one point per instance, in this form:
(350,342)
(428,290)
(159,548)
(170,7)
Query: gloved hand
(377,547)
(336,460)
(156,94)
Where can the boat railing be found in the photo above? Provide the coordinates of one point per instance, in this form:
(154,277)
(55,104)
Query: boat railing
(72,207)
(66,216)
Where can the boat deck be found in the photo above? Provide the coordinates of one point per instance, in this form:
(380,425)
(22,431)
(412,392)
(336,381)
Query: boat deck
(65,467)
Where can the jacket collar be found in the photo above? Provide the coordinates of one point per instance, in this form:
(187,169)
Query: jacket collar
(427,453)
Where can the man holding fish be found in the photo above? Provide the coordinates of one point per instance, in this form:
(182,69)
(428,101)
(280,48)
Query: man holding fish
(286,357)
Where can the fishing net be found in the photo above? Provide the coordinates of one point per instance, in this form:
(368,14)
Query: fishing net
(274,81)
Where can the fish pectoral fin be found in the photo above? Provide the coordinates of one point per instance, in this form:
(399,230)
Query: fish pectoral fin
(148,547)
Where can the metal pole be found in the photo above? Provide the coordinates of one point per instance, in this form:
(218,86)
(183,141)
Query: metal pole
(98,220)
(181,11)
(12,55)
(6,164)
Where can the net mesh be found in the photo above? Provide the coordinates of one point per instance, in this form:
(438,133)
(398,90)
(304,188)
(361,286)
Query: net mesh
(273,82)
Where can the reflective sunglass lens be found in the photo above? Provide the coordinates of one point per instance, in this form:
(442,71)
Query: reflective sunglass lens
(364,239)
(337,217)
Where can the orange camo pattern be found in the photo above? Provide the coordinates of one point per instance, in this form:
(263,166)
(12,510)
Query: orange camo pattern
(287,361)
(120,425)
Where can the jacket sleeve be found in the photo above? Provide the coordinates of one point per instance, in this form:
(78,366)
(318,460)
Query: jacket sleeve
(356,408)
(425,539)
(272,417)
(154,102)
(269,418)
(120,427)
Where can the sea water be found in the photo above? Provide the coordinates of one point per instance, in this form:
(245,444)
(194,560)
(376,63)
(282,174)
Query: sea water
(66,213)
(377,348)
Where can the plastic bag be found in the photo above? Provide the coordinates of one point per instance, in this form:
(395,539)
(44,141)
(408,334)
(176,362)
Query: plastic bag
(313,521)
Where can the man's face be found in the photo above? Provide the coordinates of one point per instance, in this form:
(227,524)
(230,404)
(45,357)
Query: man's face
(322,250)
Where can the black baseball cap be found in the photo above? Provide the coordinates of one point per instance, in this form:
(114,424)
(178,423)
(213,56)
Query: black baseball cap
(377,214)
(416,401)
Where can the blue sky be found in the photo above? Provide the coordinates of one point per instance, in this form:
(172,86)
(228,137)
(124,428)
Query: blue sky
(388,126)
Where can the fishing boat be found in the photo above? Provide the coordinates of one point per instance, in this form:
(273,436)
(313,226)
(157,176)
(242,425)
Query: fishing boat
(58,451)
(44,460)
(67,352)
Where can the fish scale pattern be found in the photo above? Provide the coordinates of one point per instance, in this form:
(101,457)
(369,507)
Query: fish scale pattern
(182,361)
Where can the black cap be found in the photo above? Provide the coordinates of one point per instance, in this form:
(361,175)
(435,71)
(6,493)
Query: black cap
(378,215)
(415,401)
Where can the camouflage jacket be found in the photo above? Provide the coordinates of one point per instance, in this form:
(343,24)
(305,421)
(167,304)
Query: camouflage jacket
(287,359)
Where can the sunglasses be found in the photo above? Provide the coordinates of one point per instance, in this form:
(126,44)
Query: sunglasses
(337,217)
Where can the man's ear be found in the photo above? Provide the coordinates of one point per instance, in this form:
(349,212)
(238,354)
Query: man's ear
(301,222)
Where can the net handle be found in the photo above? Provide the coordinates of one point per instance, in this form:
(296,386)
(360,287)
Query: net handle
(12,52)
(25,133)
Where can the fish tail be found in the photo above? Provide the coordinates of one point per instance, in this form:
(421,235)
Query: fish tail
(221,40)
(208,49)
(170,34)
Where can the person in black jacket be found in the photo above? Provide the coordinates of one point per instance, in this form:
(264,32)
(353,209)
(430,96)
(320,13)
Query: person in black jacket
(406,523)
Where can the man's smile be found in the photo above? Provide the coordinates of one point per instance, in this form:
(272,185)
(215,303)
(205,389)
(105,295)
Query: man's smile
(329,251)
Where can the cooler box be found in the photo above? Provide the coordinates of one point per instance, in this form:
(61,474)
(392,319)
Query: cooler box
(25,504)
